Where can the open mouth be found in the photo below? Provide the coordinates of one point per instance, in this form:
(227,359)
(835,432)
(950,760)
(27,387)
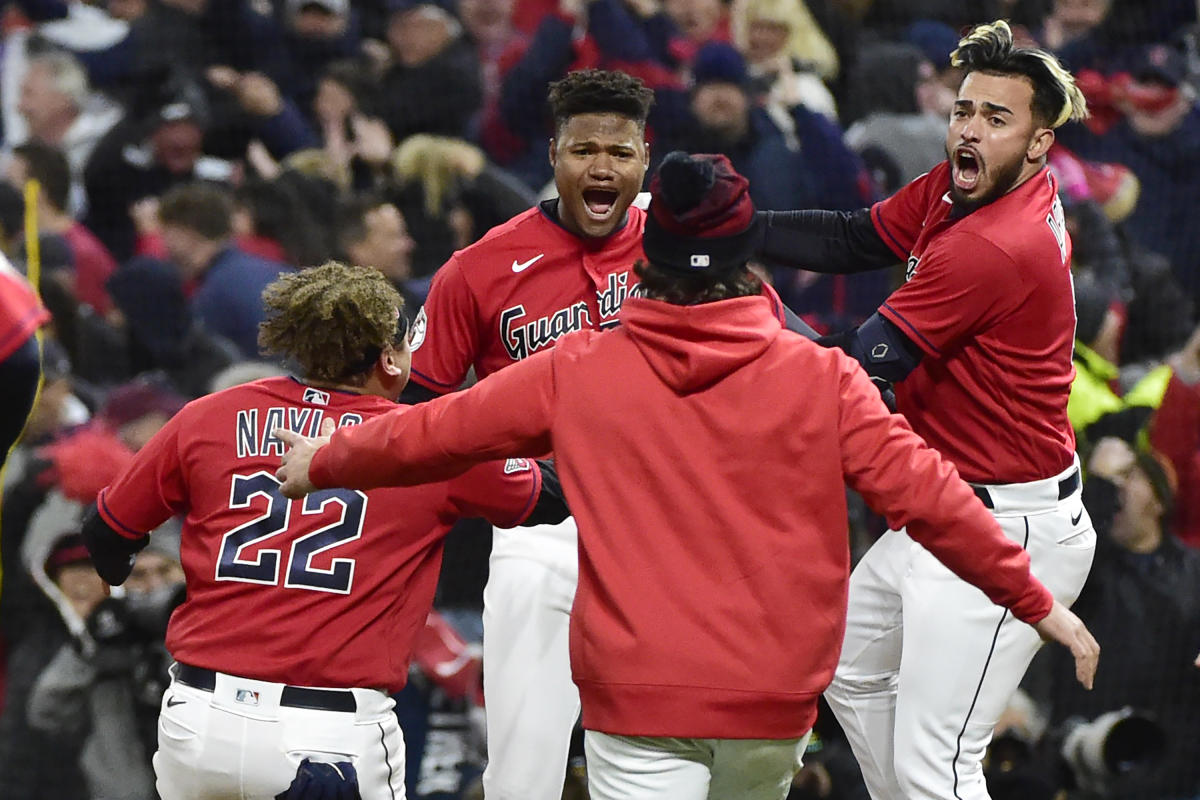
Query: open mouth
(967,169)
(600,202)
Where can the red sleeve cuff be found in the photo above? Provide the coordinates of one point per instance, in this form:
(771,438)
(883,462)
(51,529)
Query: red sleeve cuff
(1035,605)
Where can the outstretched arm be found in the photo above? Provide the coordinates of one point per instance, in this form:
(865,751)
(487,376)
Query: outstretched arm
(824,241)
(507,414)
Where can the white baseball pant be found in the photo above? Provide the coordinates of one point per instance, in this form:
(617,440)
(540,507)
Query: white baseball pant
(653,768)
(531,701)
(929,663)
(237,742)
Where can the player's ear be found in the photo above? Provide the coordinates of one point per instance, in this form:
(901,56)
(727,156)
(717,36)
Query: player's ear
(1039,146)
(553,152)
(391,360)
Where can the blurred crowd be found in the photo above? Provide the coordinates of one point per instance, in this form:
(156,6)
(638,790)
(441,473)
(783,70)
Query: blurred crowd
(163,160)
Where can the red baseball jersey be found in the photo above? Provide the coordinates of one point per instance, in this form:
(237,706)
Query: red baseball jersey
(988,298)
(518,290)
(21,312)
(326,591)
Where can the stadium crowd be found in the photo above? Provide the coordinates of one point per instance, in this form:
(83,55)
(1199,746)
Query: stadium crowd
(162,161)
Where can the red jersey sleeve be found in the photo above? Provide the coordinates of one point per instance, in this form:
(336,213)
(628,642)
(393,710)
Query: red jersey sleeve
(899,218)
(914,487)
(151,490)
(962,284)
(21,313)
(445,339)
(502,492)
(507,413)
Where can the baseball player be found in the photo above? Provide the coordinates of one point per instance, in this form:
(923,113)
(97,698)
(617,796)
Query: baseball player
(21,314)
(978,344)
(564,266)
(300,616)
(712,581)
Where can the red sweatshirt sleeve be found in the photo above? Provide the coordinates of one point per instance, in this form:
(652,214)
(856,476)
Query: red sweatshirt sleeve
(507,414)
(914,487)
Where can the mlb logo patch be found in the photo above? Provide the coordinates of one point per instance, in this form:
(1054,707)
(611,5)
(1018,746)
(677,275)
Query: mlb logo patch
(516,465)
(316,396)
(246,697)
(700,260)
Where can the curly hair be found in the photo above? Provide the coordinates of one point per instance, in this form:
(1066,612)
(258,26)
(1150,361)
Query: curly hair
(333,320)
(989,49)
(687,290)
(597,91)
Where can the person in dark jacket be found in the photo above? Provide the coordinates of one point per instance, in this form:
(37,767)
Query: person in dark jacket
(197,230)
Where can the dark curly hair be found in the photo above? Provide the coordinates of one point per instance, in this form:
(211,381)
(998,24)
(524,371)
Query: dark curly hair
(597,91)
(989,49)
(333,320)
(687,290)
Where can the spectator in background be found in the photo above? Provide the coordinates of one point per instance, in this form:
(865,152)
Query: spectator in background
(143,158)
(60,111)
(272,221)
(197,230)
(1070,20)
(1157,135)
(316,34)
(253,108)
(806,164)
(433,84)
(699,21)
(92,263)
(1142,600)
(489,26)
(152,329)
(371,233)
(896,104)
(451,195)
(33,764)
(788,57)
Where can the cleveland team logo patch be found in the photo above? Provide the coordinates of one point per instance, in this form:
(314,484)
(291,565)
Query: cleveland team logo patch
(910,269)
(516,465)
(416,337)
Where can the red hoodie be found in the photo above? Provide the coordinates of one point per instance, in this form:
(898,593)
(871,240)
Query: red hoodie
(703,451)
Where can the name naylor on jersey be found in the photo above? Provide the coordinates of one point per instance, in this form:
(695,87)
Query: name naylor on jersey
(523,338)
(253,431)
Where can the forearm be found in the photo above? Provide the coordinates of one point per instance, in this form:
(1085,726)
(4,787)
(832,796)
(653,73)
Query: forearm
(506,415)
(840,242)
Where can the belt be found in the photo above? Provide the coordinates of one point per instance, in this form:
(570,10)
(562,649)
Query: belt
(292,696)
(1066,487)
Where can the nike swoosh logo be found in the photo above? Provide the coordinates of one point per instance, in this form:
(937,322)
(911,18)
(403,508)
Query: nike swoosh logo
(521,266)
(172,702)
(1075,520)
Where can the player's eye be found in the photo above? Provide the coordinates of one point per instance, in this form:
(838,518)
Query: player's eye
(997,121)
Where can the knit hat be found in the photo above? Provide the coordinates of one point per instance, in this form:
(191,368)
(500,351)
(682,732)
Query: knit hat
(718,62)
(701,218)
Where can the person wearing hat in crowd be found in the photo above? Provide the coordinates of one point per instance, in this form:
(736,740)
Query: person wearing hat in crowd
(142,158)
(300,619)
(712,584)
(428,49)
(1153,129)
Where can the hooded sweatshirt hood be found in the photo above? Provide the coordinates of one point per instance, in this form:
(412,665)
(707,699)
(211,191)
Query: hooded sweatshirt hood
(692,347)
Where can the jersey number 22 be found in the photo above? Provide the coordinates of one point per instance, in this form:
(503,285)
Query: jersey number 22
(277,518)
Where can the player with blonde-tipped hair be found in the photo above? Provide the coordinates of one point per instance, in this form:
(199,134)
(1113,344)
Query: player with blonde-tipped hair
(977,343)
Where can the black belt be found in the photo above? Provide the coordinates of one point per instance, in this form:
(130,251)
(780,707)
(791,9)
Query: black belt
(292,696)
(1066,487)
